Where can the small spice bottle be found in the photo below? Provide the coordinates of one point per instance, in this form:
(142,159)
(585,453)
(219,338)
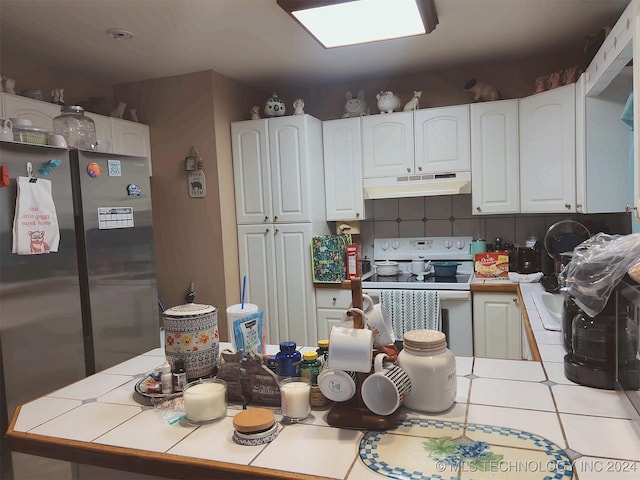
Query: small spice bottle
(179,375)
(323,353)
(166,379)
(288,360)
(432,369)
(310,367)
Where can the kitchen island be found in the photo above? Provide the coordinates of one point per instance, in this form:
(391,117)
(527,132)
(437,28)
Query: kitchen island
(97,424)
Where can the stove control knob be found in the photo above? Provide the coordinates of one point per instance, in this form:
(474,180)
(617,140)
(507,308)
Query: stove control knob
(395,245)
(459,244)
(385,246)
(447,244)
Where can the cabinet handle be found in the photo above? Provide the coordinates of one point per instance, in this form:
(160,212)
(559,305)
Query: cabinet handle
(266,219)
(628,208)
(478,209)
(334,299)
(275,219)
(267,231)
(357,214)
(567,206)
(419,169)
(276,231)
(408,170)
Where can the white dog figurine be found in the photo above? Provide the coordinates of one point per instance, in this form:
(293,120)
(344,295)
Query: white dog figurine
(298,107)
(133,114)
(413,103)
(255,112)
(482,92)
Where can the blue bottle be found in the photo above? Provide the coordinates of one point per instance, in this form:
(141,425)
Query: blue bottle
(288,360)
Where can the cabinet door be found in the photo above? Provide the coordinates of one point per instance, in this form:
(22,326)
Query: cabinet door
(295,292)
(442,139)
(40,113)
(495,157)
(251,172)
(387,145)
(547,151)
(497,326)
(327,319)
(290,168)
(130,138)
(257,262)
(341,141)
(635,222)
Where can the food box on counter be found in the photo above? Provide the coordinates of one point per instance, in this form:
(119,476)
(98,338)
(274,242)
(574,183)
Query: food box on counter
(491,265)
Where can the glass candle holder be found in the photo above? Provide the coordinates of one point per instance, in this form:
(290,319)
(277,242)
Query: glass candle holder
(295,394)
(205,400)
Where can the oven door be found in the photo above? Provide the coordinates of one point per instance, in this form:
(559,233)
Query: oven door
(455,306)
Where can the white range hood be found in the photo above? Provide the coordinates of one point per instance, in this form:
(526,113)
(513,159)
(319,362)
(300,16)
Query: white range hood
(417,185)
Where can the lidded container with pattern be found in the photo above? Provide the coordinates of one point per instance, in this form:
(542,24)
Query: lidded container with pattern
(77,129)
(432,369)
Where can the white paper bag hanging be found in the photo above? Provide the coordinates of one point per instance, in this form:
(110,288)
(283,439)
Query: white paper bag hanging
(35,224)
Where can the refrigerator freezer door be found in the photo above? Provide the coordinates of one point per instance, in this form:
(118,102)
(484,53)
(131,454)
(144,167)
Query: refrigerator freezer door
(116,237)
(41,336)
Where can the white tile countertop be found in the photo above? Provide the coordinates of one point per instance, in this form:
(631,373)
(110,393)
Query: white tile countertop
(97,423)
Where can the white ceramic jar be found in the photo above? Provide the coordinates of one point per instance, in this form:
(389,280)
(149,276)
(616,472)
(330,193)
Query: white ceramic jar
(432,369)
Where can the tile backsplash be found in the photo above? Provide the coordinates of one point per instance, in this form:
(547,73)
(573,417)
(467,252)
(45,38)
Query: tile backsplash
(448,215)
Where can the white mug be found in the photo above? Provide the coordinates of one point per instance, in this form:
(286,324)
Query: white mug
(376,319)
(350,349)
(337,385)
(385,390)
(57,140)
(6,129)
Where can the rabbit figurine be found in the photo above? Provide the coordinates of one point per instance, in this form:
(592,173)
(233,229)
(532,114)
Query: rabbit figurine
(355,107)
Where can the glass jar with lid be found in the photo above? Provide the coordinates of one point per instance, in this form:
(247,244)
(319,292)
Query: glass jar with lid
(77,129)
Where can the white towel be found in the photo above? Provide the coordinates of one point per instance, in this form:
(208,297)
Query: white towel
(35,224)
(411,310)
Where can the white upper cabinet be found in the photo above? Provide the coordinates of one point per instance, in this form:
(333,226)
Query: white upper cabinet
(342,149)
(547,151)
(40,113)
(251,171)
(495,157)
(442,139)
(278,170)
(603,147)
(636,118)
(129,138)
(387,145)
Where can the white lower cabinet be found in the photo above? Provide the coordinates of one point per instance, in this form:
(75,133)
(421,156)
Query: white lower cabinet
(331,304)
(497,326)
(276,258)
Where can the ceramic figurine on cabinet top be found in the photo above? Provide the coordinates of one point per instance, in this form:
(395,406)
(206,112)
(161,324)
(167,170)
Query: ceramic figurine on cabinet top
(555,80)
(118,112)
(355,106)
(133,114)
(274,107)
(255,112)
(1,79)
(571,74)
(57,96)
(9,85)
(387,102)
(482,92)
(541,83)
(413,104)
(298,106)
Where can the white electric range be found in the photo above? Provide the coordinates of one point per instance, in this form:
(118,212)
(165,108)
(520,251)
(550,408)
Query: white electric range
(454,292)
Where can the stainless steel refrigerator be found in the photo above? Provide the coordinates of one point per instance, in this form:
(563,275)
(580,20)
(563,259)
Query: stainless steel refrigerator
(93,303)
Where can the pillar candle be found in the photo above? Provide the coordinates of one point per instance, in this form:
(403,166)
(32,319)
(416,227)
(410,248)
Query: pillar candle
(205,401)
(296,399)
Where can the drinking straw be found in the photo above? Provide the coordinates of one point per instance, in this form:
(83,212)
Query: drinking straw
(244,287)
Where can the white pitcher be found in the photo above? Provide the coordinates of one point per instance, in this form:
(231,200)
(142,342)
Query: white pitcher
(6,132)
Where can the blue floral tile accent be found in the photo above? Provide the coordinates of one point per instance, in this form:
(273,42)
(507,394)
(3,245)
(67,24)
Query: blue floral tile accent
(425,449)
